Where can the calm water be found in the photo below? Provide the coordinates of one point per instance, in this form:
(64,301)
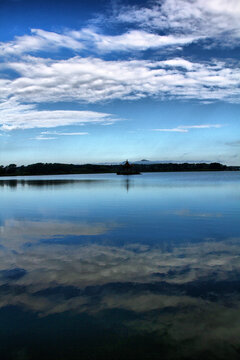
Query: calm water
(110,267)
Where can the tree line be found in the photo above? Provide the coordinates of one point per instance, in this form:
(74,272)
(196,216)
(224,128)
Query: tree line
(58,168)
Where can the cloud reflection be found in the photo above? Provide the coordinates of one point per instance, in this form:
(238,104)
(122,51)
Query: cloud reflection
(49,265)
(14,234)
(179,291)
(187,212)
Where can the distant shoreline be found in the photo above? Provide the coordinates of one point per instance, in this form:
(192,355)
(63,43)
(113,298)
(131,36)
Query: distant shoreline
(71,169)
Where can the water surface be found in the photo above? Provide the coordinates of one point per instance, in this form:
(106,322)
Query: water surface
(105,266)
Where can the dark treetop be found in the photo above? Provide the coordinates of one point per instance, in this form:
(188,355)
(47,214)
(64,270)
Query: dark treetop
(56,168)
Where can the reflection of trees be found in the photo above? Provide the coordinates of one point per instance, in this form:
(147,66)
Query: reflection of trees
(9,183)
(51,182)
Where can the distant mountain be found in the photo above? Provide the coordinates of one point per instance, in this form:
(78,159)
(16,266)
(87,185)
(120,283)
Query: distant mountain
(149,162)
(145,162)
(152,162)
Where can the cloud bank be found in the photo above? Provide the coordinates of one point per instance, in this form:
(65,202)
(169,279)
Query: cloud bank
(92,80)
(100,66)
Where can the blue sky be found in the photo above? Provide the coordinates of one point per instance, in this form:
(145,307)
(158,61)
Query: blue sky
(102,81)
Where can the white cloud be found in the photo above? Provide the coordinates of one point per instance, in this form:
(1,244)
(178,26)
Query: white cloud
(184,22)
(43,80)
(135,40)
(39,40)
(41,137)
(217,19)
(203,126)
(93,79)
(64,133)
(43,134)
(172,130)
(17,116)
(185,128)
(181,63)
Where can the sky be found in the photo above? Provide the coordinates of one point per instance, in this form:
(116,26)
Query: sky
(105,81)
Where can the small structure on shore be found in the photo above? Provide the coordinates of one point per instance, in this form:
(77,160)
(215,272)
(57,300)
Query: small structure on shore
(128,169)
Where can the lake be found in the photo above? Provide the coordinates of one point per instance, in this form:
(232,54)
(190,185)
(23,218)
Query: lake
(115,267)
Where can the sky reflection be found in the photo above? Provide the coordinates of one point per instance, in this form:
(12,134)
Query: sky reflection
(162,262)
